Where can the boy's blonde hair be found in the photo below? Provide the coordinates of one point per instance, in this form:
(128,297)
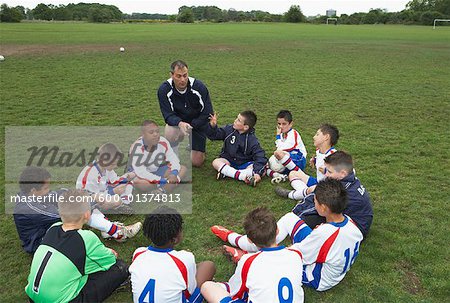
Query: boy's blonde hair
(109,153)
(74,204)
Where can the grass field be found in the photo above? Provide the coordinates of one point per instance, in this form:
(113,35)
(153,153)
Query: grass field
(387,88)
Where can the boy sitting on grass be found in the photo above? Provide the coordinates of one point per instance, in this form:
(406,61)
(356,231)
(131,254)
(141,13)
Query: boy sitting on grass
(72,264)
(161,274)
(328,251)
(291,152)
(273,274)
(242,157)
(37,210)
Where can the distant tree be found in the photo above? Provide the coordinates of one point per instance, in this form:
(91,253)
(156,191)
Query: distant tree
(42,12)
(428,17)
(294,14)
(10,14)
(62,13)
(443,6)
(186,16)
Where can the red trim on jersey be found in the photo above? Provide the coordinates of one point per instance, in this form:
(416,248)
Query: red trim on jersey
(236,175)
(183,271)
(113,229)
(164,144)
(117,181)
(227,286)
(295,143)
(322,256)
(243,289)
(84,181)
(296,228)
(297,251)
(138,254)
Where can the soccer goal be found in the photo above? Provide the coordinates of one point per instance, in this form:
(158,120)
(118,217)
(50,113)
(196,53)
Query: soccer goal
(332,19)
(439,20)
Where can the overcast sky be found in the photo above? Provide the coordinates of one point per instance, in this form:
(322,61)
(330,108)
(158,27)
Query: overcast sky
(309,7)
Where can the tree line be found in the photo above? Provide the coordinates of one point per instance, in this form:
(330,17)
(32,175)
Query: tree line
(415,12)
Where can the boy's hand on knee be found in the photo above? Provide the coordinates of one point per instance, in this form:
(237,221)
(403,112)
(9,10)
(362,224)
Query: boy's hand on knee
(257,178)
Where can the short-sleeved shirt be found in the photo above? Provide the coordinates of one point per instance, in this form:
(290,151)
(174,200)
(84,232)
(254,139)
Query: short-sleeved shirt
(62,263)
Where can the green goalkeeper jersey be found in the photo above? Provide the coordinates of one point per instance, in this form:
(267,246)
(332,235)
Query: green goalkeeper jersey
(62,263)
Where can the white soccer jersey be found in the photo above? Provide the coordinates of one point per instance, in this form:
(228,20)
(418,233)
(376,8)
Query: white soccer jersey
(269,275)
(163,275)
(320,162)
(94,181)
(290,142)
(328,252)
(146,164)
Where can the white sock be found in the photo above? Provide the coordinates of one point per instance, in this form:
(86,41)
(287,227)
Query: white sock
(299,191)
(242,242)
(288,163)
(228,171)
(98,221)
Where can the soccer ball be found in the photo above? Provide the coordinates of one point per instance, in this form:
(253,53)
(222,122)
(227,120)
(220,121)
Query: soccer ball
(2,58)
(122,49)
(275,165)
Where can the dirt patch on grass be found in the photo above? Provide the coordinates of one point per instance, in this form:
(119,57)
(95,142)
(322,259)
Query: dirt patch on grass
(411,282)
(39,49)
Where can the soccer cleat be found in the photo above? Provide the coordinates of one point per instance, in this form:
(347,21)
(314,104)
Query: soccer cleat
(235,254)
(278,178)
(131,230)
(250,180)
(220,176)
(221,232)
(282,192)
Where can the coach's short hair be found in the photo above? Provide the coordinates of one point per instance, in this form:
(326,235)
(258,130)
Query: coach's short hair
(162,225)
(285,114)
(249,117)
(74,204)
(109,153)
(177,64)
(261,227)
(340,160)
(332,193)
(33,177)
(332,131)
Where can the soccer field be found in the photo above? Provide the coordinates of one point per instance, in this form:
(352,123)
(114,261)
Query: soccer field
(387,89)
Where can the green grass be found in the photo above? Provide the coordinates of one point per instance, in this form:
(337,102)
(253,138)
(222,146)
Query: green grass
(387,88)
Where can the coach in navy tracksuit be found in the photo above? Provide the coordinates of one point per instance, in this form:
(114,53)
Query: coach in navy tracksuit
(185,105)
(359,206)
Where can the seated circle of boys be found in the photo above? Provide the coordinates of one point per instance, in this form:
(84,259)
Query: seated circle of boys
(154,162)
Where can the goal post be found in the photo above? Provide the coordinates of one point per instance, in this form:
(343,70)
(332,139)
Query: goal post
(332,19)
(439,20)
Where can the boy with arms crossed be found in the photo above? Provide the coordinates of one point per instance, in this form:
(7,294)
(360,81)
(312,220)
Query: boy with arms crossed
(154,162)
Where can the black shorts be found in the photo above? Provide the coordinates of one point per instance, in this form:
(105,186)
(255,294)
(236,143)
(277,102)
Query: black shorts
(198,140)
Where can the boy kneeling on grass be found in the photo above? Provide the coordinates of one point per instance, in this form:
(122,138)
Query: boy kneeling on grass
(72,264)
